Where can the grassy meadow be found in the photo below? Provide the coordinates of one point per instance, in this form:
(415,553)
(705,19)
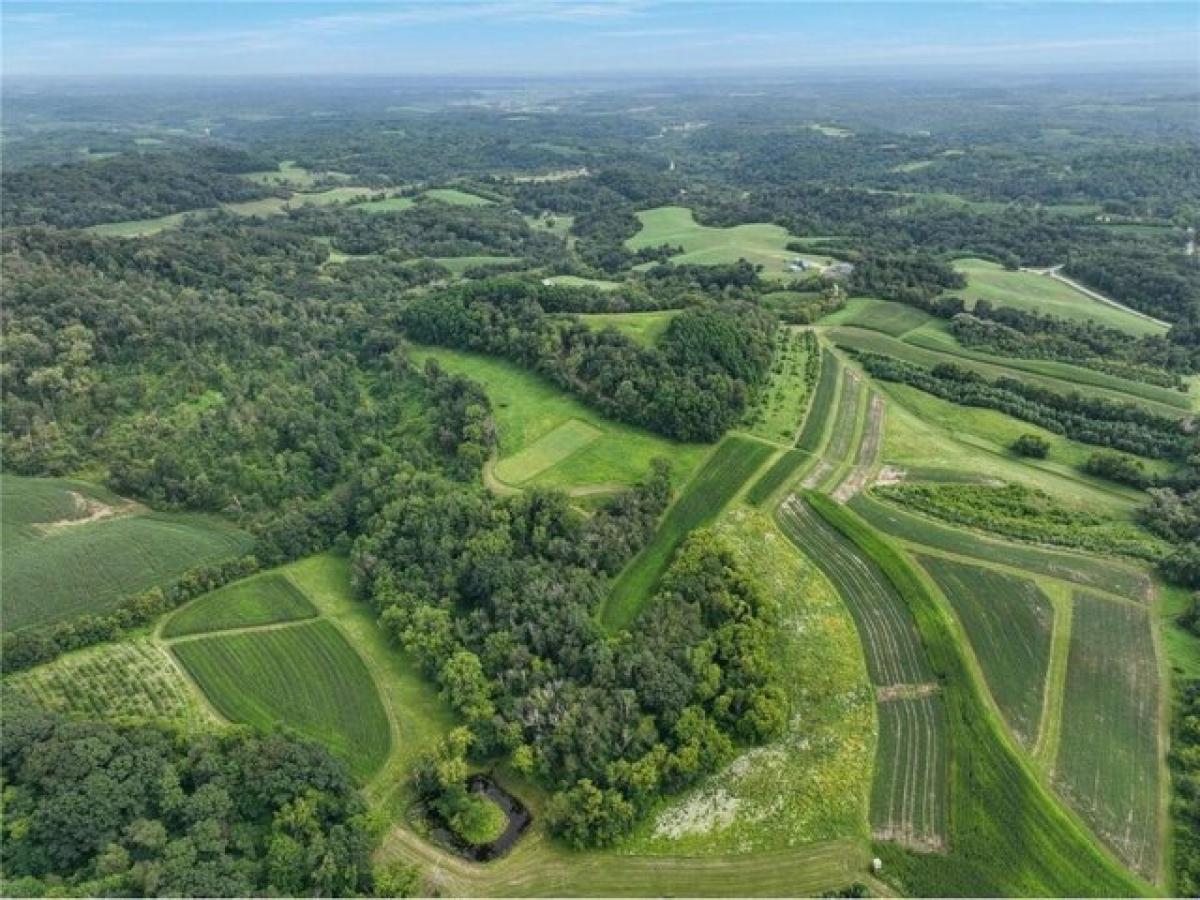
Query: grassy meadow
(758,243)
(261,600)
(643,327)
(549,438)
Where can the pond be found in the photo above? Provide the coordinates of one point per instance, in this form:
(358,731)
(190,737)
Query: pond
(515,812)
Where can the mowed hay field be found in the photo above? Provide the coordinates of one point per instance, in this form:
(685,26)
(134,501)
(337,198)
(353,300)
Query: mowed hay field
(1010,624)
(758,243)
(812,783)
(1043,294)
(895,319)
(731,465)
(261,600)
(549,438)
(134,678)
(909,792)
(1108,761)
(71,548)
(305,676)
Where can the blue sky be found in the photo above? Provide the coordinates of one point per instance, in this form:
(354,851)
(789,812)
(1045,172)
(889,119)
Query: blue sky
(475,37)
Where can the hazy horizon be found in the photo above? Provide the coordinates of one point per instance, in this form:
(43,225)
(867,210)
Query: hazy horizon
(566,38)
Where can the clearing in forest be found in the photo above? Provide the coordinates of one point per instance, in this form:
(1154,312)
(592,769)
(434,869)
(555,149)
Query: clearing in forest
(262,600)
(643,327)
(813,782)
(68,547)
(718,481)
(758,243)
(305,676)
(1010,623)
(455,197)
(529,408)
(1039,293)
(1108,763)
(134,678)
(909,791)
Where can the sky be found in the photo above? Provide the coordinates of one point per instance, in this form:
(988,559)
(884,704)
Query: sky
(582,37)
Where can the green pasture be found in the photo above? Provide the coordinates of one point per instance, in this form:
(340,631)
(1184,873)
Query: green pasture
(579,281)
(69,547)
(759,243)
(534,419)
(141,227)
(1038,293)
(1009,622)
(1108,763)
(813,782)
(643,327)
(262,600)
(718,481)
(459,264)
(894,319)
(303,676)
(386,205)
(290,175)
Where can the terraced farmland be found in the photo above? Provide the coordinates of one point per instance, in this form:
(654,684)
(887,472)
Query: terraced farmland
(846,422)
(731,465)
(867,454)
(1109,761)
(135,678)
(68,548)
(1125,581)
(909,794)
(263,600)
(1010,623)
(304,676)
(812,435)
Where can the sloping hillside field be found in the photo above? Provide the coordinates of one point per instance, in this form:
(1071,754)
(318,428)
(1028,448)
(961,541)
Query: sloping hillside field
(70,548)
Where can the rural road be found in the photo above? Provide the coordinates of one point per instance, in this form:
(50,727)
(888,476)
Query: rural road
(1053,272)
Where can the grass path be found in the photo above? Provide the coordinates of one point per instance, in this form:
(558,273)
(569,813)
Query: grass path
(1045,751)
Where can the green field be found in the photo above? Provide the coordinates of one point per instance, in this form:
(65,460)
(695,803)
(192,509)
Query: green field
(643,327)
(70,548)
(730,466)
(142,227)
(135,678)
(531,414)
(908,796)
(1009,623)
(781,472)
(816,422)
(261,600)
(579,281)
(303,676)
(386,205)
(456,197)
(895,319)
(292,176)
(759,243)
(846,426)
(813,782)
(1108,761)
(1007,836)
(1043,294)
(1086,571)
(779,407)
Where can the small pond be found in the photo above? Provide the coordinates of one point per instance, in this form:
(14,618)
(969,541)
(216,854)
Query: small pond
(518,820)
